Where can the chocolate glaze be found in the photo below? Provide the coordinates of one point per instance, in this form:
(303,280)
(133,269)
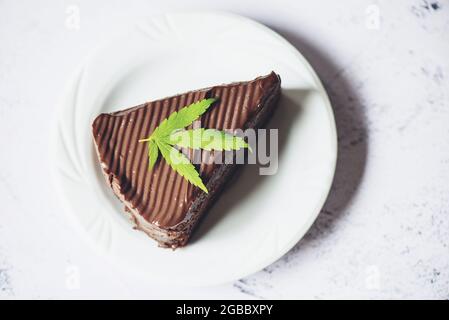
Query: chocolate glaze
(161,197)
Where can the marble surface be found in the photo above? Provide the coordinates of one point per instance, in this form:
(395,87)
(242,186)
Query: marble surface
(384,231)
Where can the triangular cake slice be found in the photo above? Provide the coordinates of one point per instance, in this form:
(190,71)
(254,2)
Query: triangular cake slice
(159,201)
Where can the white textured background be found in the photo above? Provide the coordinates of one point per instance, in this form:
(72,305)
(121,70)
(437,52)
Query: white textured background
(384,232)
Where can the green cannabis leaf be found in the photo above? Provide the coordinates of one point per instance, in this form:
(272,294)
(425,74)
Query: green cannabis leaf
(183,118)
(169,134)
(207,139)
(153,153)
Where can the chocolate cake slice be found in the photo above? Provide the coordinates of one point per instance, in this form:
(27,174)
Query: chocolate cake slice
(161,202)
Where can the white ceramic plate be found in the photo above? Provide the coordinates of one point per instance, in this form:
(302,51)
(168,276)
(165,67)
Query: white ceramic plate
(259,218)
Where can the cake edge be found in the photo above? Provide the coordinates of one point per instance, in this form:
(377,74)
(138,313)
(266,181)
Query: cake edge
(178,235)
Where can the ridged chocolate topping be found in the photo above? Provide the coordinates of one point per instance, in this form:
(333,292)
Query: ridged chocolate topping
(162,196)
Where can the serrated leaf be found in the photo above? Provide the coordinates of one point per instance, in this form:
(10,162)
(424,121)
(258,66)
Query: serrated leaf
(159,141)
(182,118)
(181,164)
(207,139)
(153,153)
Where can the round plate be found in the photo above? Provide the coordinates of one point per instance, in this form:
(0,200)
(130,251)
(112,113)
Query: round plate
(258,218)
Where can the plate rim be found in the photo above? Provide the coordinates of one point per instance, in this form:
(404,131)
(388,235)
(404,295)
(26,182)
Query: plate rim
(88,239)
